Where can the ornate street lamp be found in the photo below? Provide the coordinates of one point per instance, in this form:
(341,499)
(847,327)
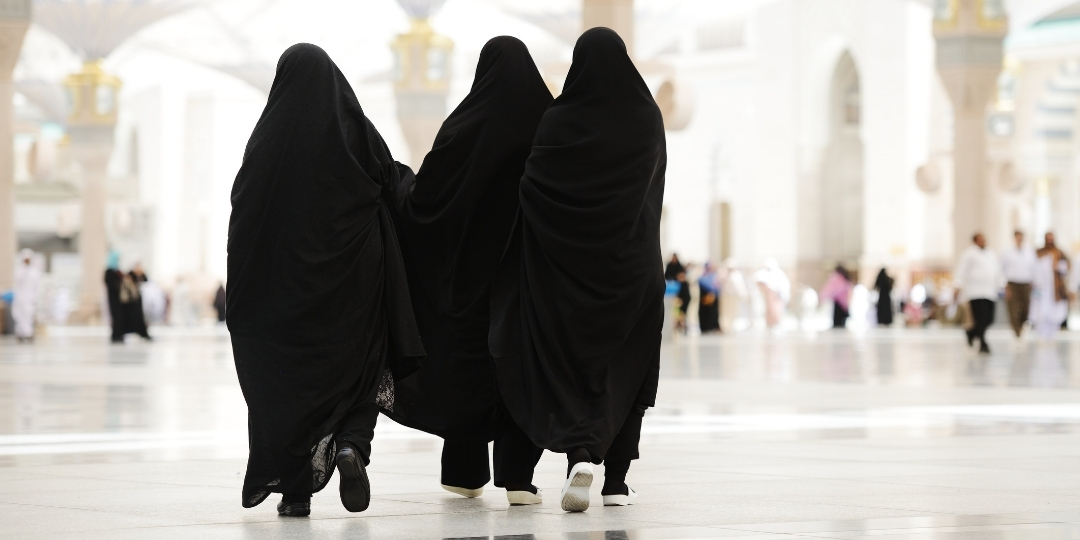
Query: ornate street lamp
(94,29)
(92,97)
(421,78)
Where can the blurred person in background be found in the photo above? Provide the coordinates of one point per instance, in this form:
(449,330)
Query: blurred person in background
(1018,266)
(1061,271)
(733,284)
(154,301)
(114,279)
(1050,294)
(61,305)
(182,310)
(673,268)
(676,271)
(775,288)
(978,280)
(1048,309)
(709,300)
(837,289)
(219,302)
(24,304)
(131,303)
(884,286)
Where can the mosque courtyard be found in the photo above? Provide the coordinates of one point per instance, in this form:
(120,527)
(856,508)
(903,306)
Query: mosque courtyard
(885,434)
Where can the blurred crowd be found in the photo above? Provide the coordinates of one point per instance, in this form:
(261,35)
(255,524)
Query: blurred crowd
(1031,286)
(130,301)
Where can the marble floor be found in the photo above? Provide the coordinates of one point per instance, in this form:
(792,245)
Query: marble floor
(891,434)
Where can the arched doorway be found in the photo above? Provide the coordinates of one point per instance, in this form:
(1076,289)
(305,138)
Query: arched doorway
(842,170)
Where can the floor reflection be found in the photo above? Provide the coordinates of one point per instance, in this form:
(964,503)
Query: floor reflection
(179,394)
(915,358)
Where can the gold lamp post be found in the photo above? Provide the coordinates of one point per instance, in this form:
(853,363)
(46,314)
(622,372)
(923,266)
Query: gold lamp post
(969,36)
(421,84)
(92,96)
(93,104)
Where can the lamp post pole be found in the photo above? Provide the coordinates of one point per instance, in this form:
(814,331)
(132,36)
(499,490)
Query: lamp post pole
(969,36)
(93,95)
(421,84)
(14,20)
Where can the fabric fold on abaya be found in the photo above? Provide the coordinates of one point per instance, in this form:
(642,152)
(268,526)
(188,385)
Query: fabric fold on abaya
(453,219)
(577,302)
(318,302)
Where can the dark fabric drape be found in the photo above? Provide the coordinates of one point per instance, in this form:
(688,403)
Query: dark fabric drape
(317,302)
(453,220)
(577,302)
(884,286)
(113,280)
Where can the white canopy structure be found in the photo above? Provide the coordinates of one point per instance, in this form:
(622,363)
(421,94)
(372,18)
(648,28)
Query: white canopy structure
(421,9)
(95,28)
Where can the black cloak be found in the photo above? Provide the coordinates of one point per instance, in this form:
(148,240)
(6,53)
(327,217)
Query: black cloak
(577,302)
(453,220)
(884,286)
(318,303)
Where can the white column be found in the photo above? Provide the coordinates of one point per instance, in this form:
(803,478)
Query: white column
(969,54)
(91,147)
(14,20)
(617,15)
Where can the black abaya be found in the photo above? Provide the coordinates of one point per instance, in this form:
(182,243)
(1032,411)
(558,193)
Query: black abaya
(453,220)
(884,286)
(114,279)
(578,298)
(318,303)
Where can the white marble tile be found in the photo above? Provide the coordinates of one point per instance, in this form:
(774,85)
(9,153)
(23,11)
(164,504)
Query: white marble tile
(891,435)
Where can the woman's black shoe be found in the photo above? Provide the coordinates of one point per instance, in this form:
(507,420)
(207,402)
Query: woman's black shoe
(294,509)
(354,486)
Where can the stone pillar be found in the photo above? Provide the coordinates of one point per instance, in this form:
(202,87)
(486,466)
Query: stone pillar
(969,35)
(421,84)
(93,95)
(91,147)
(14,20)
(617,15)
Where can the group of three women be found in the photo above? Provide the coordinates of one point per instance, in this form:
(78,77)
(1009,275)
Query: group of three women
(510,291)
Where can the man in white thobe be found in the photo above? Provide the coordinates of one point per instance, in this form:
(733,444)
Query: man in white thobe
(978,280)
(24,305)
(1018,266)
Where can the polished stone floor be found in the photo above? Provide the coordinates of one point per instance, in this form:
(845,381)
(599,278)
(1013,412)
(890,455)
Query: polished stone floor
(892,434)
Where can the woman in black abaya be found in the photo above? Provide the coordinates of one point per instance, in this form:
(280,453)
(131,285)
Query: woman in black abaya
(317,305)
(453,219)
(577,303)
(884,286)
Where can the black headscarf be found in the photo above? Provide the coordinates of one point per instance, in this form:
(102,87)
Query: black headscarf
(578,300)
(454,218)
(318,303)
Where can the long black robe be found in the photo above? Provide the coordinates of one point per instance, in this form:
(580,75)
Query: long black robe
(318,302)
(453,220)
(577,302)
(884,286)
(113,280)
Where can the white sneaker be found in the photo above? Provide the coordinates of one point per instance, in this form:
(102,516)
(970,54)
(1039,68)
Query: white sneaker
(464,492)
(523,498)
(575,492)
(621,500)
